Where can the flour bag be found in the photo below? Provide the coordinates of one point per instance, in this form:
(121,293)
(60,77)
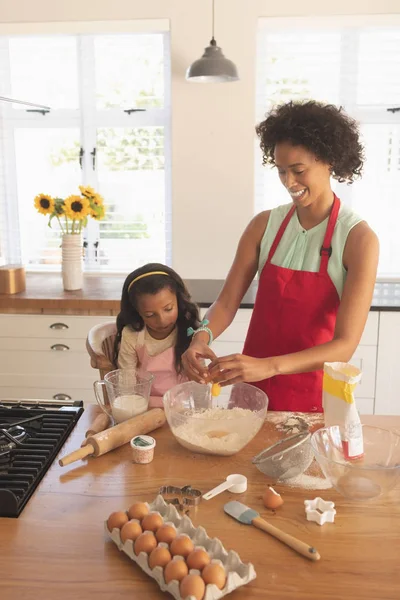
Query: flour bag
(340,380)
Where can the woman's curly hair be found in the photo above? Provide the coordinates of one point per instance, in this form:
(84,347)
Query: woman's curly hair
(323,129)
(188,311)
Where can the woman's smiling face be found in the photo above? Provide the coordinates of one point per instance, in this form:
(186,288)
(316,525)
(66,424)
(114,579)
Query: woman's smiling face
(304,176)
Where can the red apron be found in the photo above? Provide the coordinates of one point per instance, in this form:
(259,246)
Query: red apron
(293,311)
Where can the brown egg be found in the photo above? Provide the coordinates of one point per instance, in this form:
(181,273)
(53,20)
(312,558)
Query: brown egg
(176,569)
(198,559)
(166,533)
(192,585)
(146,542)
(214,573)
(138,511)
(272,499)
(182,545)
(152,522)
(130,531)
(117,520)
(159,557)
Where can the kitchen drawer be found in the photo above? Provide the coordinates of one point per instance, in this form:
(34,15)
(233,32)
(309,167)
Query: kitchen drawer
(87,395)
(57,345)
(49,381)
(364,359)
(45,362)
(43,326)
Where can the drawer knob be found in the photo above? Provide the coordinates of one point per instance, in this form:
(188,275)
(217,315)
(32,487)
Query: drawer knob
(61,397)
(59,347)
(59,326)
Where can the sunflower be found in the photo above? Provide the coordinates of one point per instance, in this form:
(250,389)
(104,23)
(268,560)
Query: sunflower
(97,199)
(44,204)
(87,191)
(76,207)
(97,213)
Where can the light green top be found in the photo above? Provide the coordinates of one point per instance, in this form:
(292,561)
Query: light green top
(299,249)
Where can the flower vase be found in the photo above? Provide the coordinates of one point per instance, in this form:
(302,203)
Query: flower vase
(71,261)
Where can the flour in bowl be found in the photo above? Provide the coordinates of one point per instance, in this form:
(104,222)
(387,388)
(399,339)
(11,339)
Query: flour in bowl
(218,431)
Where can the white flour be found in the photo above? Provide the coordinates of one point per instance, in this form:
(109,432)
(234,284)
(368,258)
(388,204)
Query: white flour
(218,432)
(308,482)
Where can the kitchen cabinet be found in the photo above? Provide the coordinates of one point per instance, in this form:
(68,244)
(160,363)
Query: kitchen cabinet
(43,356)
(387,399)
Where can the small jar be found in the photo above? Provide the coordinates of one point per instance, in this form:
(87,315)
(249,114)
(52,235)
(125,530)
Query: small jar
(142,449)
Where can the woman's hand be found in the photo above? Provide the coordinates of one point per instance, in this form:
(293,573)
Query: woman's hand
(236,368)
(193,361)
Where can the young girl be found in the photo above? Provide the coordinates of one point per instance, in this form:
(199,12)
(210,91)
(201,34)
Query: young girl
(156,312)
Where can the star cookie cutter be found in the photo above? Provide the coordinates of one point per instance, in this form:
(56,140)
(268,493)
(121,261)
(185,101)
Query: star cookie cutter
(320,511)
(180,497)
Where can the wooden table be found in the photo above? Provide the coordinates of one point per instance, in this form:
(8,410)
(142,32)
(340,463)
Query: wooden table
(57,550)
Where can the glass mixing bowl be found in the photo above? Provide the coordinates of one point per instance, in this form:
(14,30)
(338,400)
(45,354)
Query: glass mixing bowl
(220,425)
(374,474)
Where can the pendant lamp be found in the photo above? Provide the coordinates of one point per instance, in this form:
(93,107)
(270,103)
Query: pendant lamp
(212,67)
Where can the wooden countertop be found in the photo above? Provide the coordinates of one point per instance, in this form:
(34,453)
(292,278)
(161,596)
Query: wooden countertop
(57,548)
(44,291)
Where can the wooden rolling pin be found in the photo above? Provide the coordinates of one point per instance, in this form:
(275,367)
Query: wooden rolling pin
(101,422)
(117,436)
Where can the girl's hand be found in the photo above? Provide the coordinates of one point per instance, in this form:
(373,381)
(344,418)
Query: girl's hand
(193,361)
(237,368)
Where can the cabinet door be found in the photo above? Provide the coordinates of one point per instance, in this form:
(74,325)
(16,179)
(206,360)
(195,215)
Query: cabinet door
(387,399)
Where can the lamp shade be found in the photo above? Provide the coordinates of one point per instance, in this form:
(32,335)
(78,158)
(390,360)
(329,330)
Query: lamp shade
(212,67)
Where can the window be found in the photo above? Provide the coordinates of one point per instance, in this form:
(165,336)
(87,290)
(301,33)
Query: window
(108,127)
(350,62)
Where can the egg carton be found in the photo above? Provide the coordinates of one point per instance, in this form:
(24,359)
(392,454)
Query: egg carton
(238,573)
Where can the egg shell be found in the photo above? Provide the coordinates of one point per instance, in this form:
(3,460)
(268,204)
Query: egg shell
(175,570)
(152,522)
(272,499)
(117,520)
(166,533)
(198,559)
(192,585)
(130,531)
(159,557)
(146,542)
(214,573)
(138,511)
(181,545)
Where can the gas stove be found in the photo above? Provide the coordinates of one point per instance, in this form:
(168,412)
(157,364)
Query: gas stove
(32,432)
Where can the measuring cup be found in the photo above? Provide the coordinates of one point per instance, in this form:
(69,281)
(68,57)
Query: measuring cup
(128,394)
(234,483)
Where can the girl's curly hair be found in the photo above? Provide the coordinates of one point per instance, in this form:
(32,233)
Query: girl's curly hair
(188,312)
(323,129)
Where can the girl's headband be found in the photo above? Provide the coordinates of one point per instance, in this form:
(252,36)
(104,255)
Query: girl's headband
(146,275)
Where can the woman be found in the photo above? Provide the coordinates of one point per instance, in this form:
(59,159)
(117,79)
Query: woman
(316,260)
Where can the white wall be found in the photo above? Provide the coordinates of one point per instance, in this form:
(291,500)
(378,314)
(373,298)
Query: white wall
(212,124)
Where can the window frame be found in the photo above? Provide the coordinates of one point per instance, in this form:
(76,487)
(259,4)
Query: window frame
(87,118)
(364,114)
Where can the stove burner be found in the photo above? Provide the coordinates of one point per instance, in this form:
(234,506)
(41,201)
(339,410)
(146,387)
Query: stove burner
(30,439)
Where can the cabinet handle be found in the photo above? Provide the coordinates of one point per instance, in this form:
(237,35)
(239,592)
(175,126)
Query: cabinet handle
(59,347)
(59,326)
(61,397)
